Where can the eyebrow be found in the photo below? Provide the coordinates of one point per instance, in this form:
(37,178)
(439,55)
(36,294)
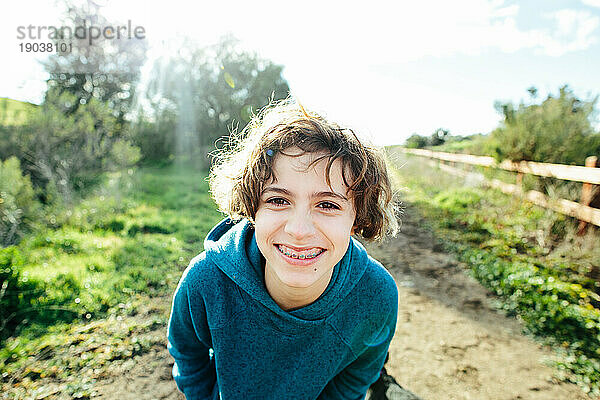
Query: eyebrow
(326,193)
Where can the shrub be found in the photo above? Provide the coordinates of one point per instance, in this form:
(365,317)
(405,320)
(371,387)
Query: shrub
(16,292)
(67,152)
(558,130)
(18,205)
(416,142)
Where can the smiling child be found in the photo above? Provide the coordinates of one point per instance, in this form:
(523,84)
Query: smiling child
(284,303)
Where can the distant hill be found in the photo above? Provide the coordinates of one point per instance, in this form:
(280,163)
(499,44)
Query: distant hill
(14,112)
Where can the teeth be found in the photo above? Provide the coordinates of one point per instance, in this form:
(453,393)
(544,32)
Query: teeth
(301,256)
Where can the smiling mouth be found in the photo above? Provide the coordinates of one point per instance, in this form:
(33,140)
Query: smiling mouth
(300,255)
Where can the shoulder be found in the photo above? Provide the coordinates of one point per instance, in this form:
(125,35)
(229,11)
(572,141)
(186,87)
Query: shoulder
(196,271)
(377,284)
(200,273)
(206,292)
(378,275)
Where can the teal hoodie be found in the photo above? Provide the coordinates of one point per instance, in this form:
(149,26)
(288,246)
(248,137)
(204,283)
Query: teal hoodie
(230,339)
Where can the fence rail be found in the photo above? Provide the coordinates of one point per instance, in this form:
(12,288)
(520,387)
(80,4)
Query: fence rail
(589,175)
(559,171)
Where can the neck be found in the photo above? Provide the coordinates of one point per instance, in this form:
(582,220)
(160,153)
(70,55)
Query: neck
(290,298)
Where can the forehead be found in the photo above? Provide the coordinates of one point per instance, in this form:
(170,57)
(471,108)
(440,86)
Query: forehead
(295,167)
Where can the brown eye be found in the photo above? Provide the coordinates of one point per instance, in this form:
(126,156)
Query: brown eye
(278,201)
(327,205)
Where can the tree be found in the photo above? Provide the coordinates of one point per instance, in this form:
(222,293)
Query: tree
(67,152)
(79,131)
(438,137)
(558,130)
(210,91)
(103,69)
(416,141)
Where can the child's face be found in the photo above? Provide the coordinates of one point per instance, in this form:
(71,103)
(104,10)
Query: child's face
(303,225)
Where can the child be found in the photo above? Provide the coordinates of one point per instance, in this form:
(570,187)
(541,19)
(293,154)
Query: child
(283,303)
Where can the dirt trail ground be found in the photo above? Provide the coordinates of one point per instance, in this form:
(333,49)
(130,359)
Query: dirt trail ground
(450,342)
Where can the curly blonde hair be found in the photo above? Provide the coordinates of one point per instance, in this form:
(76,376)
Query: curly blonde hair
(245,164)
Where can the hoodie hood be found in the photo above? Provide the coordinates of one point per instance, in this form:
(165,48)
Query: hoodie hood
(232,247)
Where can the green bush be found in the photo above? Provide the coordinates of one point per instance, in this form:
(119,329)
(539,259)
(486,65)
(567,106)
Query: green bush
(18,205)
(17,292)
(72,149)
(558,130)
(416,142)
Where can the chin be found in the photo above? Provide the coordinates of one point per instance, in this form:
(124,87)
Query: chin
(300,281)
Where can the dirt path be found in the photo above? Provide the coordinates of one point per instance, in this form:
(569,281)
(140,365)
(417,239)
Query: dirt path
(450,343)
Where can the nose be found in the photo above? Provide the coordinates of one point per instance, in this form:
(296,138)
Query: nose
(300,225)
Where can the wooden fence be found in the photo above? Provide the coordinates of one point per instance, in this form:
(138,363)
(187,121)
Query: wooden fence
(588,175)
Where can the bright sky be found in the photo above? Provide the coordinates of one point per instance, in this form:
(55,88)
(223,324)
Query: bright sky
(388,70)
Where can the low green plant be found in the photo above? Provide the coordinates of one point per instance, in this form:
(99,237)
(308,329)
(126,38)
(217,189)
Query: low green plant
(17,292)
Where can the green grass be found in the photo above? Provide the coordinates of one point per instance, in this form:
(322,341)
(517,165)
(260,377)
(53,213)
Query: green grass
(106,258)
(14,112)
(530,257)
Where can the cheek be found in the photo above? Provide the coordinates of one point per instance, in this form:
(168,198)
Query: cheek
(262,240)
(265,224)
(351,223)
(340,233)
(259,224)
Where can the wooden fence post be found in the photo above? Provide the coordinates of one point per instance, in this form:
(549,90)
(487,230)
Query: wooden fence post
(519,181)
(587,192)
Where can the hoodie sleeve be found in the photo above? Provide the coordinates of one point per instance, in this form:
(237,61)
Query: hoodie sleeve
(189,344)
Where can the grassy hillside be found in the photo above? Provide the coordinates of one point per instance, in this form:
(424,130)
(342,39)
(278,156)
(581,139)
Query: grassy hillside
(102,273)
(14,112)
